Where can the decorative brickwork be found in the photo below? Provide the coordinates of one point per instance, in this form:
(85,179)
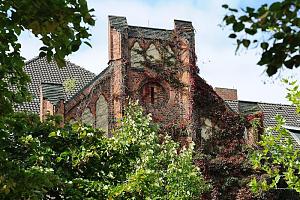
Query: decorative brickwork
(158,68)
(142,67)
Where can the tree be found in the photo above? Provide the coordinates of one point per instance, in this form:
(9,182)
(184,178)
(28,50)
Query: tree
(62,25)
(277,156)
(41,161)
(273,28)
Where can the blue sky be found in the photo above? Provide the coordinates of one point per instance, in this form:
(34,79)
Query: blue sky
(218,63)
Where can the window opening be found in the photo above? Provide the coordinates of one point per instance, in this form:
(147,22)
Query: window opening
(152,95)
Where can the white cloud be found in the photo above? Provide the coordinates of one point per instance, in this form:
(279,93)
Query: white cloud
(216,58)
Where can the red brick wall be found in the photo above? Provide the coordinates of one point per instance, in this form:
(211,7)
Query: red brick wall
(47,108)
(175,102)
(226,93)
(87,98)
(123,81)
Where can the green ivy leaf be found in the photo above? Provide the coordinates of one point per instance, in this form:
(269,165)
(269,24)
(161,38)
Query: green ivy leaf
(276,6)
(52,134)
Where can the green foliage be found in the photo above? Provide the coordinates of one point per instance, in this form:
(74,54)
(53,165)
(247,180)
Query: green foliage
(69,85)
(274,28)
(277,156)
(293,93)
(278,159)
(159,171)
(41,160)
(22,174)
(62,25)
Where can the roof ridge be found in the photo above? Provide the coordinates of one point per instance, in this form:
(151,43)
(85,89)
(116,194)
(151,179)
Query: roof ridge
(32,59)
(145,27)
(259,102)
(89,84)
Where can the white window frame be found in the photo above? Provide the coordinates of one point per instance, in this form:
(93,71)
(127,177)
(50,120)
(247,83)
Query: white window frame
(293,134)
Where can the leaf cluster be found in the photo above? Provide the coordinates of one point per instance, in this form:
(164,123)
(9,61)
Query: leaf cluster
(277,156)
(43,161)
(273,28)
(62,26)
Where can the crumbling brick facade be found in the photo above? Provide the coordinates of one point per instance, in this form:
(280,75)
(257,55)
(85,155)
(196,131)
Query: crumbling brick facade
(156,67)
(140,68)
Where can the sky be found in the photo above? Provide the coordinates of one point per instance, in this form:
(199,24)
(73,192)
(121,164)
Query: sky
(219,65)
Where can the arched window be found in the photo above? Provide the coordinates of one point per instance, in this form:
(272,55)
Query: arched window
(87,117)
(153,95)
(102,113)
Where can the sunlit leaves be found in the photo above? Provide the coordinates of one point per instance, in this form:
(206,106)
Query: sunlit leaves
(62,25)
(277,156)
(80,162)
(293,94)
(274,28)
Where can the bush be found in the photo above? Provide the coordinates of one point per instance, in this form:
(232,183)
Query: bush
(80,162)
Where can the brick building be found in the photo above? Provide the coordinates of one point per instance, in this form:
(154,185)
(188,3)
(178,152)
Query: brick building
(136,71)
(153,66)
(266,112)
(157,67)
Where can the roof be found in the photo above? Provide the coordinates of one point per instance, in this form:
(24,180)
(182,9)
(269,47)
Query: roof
(53,92)
(150,33)
(106,72)
(233,105)
(120,23)
(51,78)
(288,112)
(269,110)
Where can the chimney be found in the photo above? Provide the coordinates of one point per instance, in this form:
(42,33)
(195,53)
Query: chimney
(226,93)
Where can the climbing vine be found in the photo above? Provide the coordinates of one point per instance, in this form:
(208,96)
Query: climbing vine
(170,65)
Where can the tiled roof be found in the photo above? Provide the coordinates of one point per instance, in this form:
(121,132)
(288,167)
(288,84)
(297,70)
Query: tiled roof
(53,92)
(269,110)
(288,112)
(233,105)
(104,74)
(48,73)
